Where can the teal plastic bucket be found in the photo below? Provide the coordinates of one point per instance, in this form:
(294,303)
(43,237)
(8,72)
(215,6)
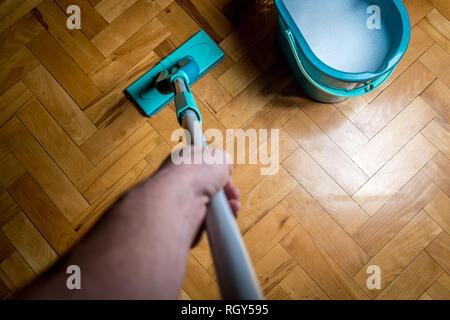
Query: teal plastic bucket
(341,49)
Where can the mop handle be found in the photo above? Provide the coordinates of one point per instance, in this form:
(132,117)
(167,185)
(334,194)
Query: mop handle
(237,279)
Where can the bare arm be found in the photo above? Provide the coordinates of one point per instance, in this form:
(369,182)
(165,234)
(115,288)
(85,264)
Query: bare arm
(138,250)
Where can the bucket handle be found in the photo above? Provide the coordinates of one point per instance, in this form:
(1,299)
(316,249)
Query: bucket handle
(333,91)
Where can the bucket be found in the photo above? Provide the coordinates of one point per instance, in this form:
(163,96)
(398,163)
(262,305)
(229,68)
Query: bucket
(342,48)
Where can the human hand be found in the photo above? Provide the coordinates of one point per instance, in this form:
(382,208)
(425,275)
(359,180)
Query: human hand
(193,185)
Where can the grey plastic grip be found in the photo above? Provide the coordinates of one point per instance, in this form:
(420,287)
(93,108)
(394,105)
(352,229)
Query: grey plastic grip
(237,279)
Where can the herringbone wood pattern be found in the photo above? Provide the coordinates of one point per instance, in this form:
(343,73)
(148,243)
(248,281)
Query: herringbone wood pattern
(362,182)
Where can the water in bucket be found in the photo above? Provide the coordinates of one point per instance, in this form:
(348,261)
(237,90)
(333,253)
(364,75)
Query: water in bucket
(337,32)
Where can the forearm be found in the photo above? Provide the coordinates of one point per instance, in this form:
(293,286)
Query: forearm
(130,254)
(138,249)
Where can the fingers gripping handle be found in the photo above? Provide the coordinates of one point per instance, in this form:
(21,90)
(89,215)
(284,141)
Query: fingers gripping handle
(237,279)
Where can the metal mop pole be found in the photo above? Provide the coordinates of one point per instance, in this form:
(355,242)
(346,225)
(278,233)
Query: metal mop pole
(237,279)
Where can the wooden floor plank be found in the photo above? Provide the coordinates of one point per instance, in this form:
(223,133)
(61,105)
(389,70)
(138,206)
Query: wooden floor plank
(4,290)
(110,10)
(394,136)
(249,67)
(10,170)
(8,6)
(6,247)
(274,225)
(59,104)
(15,66)
(440,290)
(17,270)
(55,141)
(111,102)
(320,267)
(164,122)
(106,139)
(439,249)
(417,9)
(437,27)
(247,176)
(8,208)
(439,210)
(184,295)
(263,197)
(320,147)
(273,267)
(74,42)
(133,19)
(389,179)
(43,214)
(9,284)
(12,134)
(277,293)
(270,117)
(129,53)
(222,67)
(412,282)
(351,107)
(120,161)
(405,246)
(208,18)
(91,215)
(63,68)
(158,155)
(328,193)
(393,100)
(19,34)
(438,132)
(437,95)
(438,170)
(330,120)
(299,286)
(198,284)
(17,13)
(30,243)
(211,92)
(243,39)
(93,23)
(325,231)
(249,101)
(202,253)
(12,100)
(373,235)
(179,23)
(51,179)
(442,6)
(436,60)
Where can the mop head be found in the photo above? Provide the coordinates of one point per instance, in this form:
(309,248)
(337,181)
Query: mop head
(193,59)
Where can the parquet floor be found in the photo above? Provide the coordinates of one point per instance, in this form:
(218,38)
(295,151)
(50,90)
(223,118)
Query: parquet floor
(362,182)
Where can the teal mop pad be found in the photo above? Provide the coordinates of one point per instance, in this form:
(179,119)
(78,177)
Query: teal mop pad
(200,49)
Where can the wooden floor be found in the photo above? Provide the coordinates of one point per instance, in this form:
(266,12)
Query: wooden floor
(363,182)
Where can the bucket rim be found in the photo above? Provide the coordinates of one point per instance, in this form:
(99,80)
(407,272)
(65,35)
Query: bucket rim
(342,75)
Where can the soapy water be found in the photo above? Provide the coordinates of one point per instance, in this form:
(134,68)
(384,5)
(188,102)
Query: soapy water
(337,32)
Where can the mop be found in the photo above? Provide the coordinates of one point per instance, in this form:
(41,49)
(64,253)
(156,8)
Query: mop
(170,80)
